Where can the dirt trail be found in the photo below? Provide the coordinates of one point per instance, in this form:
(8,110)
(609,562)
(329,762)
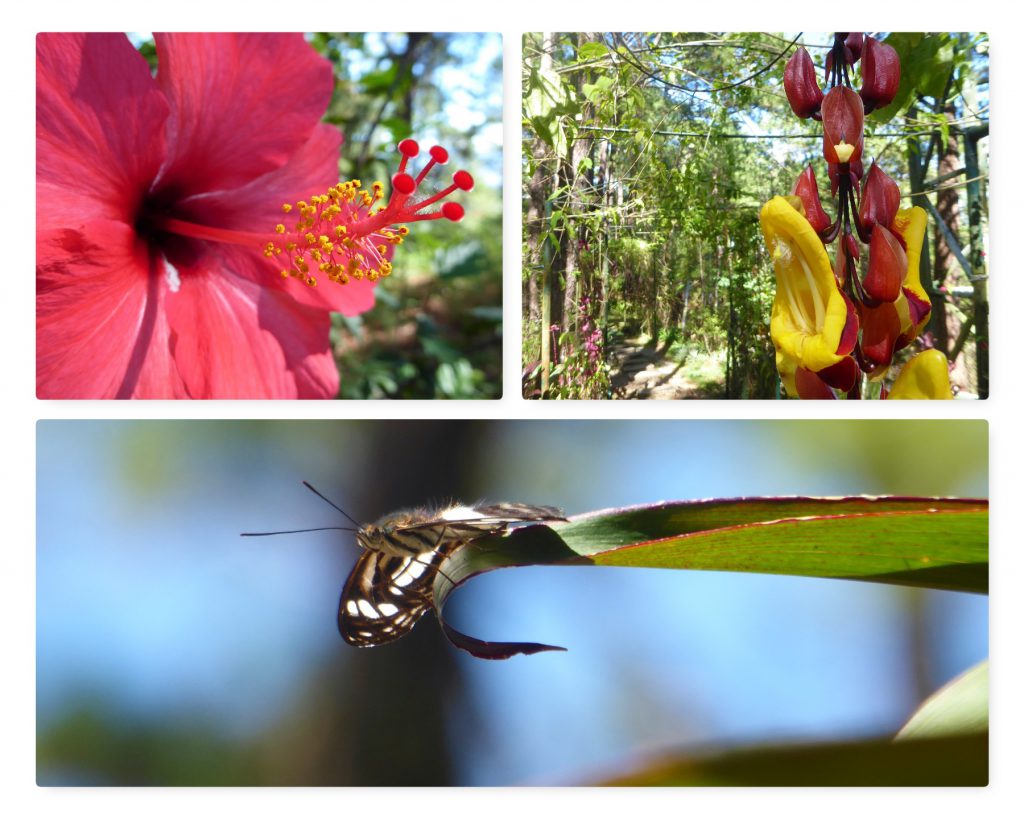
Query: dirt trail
(642,372)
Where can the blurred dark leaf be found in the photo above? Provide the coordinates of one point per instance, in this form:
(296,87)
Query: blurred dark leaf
(947,761)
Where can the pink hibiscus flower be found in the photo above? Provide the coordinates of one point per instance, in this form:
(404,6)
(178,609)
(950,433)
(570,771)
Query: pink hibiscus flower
(160,273)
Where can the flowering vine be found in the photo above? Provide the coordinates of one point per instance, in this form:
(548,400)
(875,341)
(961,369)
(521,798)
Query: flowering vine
(836,323)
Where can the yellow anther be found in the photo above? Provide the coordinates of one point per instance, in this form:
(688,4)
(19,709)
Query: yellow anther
(286,208)
(844,151)
(279,228)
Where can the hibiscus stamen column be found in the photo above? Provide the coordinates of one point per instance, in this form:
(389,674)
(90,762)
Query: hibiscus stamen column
(342,235)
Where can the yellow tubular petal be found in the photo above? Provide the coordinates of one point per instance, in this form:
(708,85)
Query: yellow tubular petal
(787,372)
(910,223)
(809,312)
(925,376)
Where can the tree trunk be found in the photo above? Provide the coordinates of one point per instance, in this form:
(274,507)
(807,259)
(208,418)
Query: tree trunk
(946,325)
(575,205)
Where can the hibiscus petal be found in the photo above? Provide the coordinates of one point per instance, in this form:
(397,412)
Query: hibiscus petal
(99,129)
(241,104)
(233,338)
(100,332)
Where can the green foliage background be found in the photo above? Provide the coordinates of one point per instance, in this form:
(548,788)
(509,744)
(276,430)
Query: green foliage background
(435,331)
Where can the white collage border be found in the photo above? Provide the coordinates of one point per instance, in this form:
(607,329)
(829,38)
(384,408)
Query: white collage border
(21,409)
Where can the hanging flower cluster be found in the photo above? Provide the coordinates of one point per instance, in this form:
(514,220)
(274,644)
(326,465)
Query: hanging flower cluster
(835,323)
(163,267)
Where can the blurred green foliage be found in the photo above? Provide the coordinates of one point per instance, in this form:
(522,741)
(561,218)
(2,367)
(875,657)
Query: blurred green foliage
(435,331)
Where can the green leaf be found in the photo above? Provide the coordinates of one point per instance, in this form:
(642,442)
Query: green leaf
(959,707)
(592,51)
(594,90)
(940,761)
(400,128)
(937,543)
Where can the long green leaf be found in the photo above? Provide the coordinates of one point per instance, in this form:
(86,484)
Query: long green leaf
(937,543)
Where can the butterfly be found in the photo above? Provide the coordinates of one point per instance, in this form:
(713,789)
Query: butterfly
(391,585)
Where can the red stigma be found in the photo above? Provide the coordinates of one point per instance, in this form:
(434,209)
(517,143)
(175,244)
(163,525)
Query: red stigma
(346,234)
(453,211)
(403,183)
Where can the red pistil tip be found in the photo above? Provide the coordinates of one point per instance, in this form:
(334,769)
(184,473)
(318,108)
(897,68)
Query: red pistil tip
(453,211)
(403,184)
(348,233)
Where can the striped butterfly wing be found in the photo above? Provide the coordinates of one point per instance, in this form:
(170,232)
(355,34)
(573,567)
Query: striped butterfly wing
(386,594)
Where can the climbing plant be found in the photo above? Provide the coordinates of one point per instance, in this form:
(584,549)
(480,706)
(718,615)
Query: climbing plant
(646,160)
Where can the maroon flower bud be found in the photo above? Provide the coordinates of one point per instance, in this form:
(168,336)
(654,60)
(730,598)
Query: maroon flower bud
(842,115)
(806,187)
(801,84)
(879,74)
(854,45)
(887,266)
(881,199)
(880,328)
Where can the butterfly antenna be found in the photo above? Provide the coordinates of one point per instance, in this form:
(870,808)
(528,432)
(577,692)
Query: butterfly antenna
(300,531)
(323,497)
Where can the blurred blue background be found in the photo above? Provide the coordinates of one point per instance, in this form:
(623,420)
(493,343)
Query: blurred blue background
(172,651)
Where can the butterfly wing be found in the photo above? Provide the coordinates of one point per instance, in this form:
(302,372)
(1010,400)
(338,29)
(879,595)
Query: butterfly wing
(387,593)
(485,519)
(384,596)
